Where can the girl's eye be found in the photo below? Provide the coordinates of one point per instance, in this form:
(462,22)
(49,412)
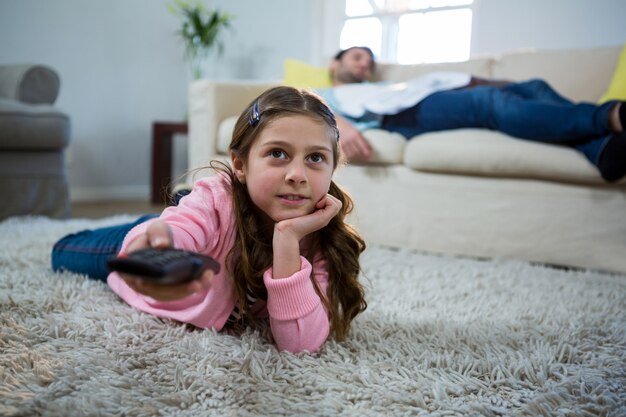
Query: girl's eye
(317,158)
(278,154)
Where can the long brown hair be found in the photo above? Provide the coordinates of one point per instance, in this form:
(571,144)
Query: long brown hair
(338,243)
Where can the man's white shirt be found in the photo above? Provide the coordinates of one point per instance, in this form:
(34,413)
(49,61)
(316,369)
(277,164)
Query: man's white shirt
(391,98)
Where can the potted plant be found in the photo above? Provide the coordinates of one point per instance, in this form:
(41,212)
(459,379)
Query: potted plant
(200,32)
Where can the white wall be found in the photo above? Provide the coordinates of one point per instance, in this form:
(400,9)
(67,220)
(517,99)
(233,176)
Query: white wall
(121,64)
(504,25)
(121,68)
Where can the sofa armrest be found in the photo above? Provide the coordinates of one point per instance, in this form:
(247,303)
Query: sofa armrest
(29,83)
(210,102)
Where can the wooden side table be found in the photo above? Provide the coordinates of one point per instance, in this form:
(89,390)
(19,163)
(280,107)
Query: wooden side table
(161,176)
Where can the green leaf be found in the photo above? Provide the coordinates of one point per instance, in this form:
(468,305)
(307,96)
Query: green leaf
(201,28)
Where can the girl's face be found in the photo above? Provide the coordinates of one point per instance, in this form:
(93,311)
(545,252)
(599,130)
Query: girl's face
(289,167)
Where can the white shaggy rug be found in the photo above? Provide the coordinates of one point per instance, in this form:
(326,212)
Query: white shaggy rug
(442,336)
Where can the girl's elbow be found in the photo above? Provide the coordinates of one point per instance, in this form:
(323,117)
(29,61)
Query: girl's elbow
(302,340)
(301,346)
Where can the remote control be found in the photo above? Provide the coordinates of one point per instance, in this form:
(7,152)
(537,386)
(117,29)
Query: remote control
(164,266)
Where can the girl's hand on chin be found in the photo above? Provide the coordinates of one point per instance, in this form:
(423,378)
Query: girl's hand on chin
(158,235)
(327,208)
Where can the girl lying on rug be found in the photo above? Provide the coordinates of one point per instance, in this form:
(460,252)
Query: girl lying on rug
(274,221)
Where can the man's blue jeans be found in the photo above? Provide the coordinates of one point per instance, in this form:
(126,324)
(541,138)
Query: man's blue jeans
(528,110)
(87,252)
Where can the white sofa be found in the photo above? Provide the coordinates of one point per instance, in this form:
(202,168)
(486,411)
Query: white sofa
(469,192)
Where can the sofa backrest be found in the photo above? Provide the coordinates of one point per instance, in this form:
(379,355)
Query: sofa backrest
(481,67)
(579,74)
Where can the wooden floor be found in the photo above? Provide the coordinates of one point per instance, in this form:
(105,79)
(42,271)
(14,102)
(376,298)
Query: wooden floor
(99,209)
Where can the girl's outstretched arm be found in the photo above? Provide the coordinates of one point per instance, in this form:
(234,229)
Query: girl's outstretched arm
(159,235)
(202,222)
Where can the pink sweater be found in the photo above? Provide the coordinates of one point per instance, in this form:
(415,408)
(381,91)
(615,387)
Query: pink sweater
(204,222)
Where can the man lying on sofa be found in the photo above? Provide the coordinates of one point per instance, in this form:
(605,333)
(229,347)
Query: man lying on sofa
(440,101)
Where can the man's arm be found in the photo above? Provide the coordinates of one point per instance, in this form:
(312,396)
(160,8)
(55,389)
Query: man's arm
(353,144)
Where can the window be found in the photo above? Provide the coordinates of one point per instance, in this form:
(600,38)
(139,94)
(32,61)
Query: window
(410,31)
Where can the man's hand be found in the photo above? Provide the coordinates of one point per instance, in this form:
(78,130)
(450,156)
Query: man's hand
(158,235)
(352,142)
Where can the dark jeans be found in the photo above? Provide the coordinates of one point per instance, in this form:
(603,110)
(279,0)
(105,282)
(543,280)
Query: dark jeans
(528,110)
(86,252)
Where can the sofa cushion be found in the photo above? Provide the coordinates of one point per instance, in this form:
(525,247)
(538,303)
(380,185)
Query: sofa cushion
(32,126)
(29,83)
(225,134)
(387,147)
(490,153)
(300,74)
(617,87)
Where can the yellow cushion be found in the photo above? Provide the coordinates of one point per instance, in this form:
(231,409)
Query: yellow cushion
(617,87)
(300,74)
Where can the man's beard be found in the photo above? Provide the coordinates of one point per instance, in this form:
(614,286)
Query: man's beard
(346,77)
